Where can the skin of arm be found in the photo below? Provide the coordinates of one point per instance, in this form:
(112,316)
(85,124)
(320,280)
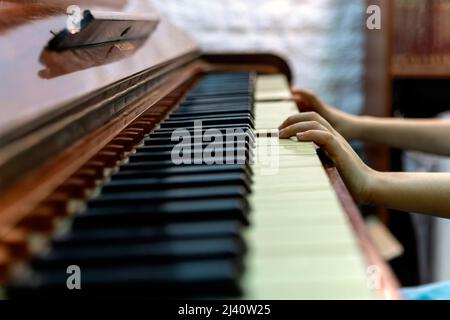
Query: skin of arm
(431,136)
(428,193)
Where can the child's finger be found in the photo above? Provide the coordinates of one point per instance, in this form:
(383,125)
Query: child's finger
(295,91)
(305,116)
(303,105)
(309,95)
(324,139)
(302,102)
(292,130)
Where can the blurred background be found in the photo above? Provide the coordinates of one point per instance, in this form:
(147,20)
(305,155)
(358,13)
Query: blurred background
(323,40)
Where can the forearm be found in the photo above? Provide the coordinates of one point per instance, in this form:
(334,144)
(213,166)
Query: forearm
(431,136)
(413,192)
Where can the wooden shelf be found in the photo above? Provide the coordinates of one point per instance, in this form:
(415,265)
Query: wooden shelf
(420,66)
(420,72)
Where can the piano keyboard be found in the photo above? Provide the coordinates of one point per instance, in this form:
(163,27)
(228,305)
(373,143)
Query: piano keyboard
(161,230)
(301,245)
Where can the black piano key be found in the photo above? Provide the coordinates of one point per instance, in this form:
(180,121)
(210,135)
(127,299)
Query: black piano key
(228,80)
(228,77)
(219,81)
(224,79)
(218,93)
(220,84)
(183,211)
(242,85)
(175,182)
(219,90)
(200,101)
(175,123)
(160,141)
(210,101)
(216,106)
(194,135)
(170,251)
(243,103)
(131,235)
(219,111)
(202,117)
(212,109)
(203,136)
(226,132)
(189,279)
(178,171)
(213,86)
(169,163)
(211,112)
(222,127)
(202,145)
(246,125)
(219,152)
(171,195)
(227,159)
(165,136)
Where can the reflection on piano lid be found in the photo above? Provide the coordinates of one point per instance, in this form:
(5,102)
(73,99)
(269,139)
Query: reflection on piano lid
(77,59)
(98,27)
(86,164)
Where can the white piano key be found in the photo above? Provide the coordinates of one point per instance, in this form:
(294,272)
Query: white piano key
(285,249)
(341,289)
(272,87)
(292,217)
(320,268)
(270,115)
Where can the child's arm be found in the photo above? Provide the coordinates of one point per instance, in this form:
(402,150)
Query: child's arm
(432,136)
(416,192)
(412,192)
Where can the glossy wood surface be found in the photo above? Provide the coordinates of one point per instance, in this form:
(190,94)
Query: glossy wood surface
(18,201)
(28,89)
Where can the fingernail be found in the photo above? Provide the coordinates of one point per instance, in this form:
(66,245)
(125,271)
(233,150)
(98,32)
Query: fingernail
(300,135)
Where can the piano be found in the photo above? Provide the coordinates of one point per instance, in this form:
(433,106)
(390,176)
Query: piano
(90,179)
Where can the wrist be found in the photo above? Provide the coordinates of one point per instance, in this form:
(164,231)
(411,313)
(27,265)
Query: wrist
(348,125)
(373,184)
(353,128)
(363,127)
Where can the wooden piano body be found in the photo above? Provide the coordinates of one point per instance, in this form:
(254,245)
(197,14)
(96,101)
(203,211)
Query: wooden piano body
(69,119)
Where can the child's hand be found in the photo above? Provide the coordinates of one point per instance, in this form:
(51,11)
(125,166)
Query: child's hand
(310,126)
(341,121)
